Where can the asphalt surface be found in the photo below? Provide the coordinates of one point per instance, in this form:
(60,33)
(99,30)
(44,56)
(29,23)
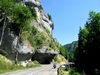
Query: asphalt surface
(43,70)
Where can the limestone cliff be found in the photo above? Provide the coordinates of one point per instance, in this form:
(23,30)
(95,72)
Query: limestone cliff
(42,17)
(38,46)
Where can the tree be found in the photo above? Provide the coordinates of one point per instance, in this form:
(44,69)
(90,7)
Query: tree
(63,51)
(81,52)
(20,18)
(4,13)
(18,15)
(89,45)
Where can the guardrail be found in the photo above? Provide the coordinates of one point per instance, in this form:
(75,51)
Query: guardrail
(60,70)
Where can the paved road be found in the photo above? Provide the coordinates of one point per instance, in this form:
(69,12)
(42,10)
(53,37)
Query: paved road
(43,70)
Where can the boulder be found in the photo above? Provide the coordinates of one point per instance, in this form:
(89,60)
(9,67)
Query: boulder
(45,56)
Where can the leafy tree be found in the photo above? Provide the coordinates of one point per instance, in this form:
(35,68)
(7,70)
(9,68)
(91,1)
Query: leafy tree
(21,17)
(17,13)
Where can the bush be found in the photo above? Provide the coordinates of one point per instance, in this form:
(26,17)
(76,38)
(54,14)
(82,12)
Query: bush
(63,51)
(36,62)
(73,71)
(30,64)
(30,5)
(33,64)
(50,18)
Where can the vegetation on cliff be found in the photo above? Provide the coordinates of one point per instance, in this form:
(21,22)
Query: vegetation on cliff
(60,59)
(17,18)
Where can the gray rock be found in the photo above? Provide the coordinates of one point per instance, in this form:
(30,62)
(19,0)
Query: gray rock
(36,25)
(44,50)
(44,56)
(35,2)
(11,45)
(42,16)
(13,48)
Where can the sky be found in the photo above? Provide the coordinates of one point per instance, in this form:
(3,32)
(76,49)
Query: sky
(68,16)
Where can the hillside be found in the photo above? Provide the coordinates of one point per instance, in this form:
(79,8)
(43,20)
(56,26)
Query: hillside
(71,46)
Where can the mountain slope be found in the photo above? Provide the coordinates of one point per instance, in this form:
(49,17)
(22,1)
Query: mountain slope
(70,47)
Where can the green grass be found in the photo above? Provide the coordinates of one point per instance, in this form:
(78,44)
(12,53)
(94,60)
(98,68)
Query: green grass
(61,71)
(60,59)
(7,65)
(68,71)
(17,67)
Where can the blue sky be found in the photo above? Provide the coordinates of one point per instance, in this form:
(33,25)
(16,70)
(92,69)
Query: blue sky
(68,16)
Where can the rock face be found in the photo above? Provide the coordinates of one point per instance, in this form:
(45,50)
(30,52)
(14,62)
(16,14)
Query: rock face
(14,48)
(44,56)
(11,45)
(42,17)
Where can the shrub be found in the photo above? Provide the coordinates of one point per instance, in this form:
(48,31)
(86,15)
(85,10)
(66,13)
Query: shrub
(73,71)
(30,64)
(50,18)
(30,5)
(36,62)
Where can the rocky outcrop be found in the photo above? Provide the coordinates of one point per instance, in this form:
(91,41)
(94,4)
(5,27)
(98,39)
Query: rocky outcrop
(44,56)
(14,48)
(42,17)
(46,22)
(11,45)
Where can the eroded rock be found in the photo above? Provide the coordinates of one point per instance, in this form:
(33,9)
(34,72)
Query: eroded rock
(44,56)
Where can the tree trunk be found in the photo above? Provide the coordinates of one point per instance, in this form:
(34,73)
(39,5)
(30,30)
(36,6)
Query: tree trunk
(4,26)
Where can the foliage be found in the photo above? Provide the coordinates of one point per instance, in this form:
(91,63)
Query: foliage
(47,30)
(60,71)
(7,65)
(52,45)
(17,13)
(33,64)
(31,8)
(71,57)
(63,51)
(21,16)
(71,48)
(35,38)
(73,71)
(60,59)
(36,62)
(6,6)
(87,52)
(34,30)
(50,18)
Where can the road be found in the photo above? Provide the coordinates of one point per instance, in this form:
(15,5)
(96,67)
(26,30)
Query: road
(43,70)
